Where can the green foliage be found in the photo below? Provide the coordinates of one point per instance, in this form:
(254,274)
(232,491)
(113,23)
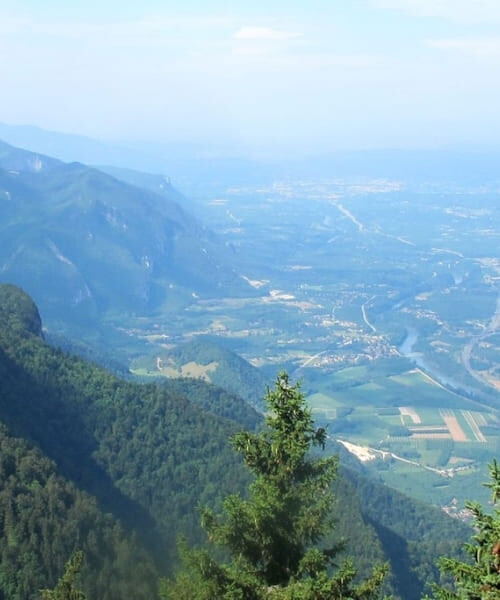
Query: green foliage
(479,578)
(399,431)
(272,536)
(412,534)
(66,588)
(215,400)
(142,453)
(18,311)
(42,518)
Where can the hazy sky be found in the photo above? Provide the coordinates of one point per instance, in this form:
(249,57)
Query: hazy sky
(275,76)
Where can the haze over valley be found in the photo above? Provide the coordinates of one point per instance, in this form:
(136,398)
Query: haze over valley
(379,294)
(239,243)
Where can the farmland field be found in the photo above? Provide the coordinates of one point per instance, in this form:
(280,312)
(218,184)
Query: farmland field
(409,416)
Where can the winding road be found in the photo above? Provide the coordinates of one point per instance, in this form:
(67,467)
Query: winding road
(491,329)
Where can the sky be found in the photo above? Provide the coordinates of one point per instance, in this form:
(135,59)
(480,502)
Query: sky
(257,78)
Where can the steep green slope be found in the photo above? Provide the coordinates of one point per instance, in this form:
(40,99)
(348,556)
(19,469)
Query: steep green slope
(44,518)
(147,455)
(411,533)
(107,248)
(216,400)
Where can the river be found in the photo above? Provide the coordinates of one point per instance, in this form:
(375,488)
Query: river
(406,349)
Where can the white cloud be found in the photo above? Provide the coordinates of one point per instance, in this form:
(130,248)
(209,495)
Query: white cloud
(463,11)
(327,63)
(481,47)
(264,33)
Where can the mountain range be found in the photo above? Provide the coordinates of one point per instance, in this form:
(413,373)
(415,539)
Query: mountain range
(89,247)
(195,167)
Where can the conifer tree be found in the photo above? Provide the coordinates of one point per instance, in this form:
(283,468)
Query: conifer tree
(66,588)
(478,579)
(271,536)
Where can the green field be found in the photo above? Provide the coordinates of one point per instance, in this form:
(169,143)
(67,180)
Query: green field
(355,386)
(416,419)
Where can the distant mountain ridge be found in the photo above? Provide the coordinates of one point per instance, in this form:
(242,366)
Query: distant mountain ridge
(83,243)
(195,166)
(159,184)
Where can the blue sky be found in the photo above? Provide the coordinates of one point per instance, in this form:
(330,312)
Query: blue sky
(275,77)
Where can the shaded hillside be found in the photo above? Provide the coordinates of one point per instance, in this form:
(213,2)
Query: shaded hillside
(106,247)
(44,518)
(216,400)
(147,455)
(412,534)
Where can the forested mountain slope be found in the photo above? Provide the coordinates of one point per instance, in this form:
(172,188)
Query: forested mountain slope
(411,533)
(147,455)
(106,247)
(117,468)
(44,518)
